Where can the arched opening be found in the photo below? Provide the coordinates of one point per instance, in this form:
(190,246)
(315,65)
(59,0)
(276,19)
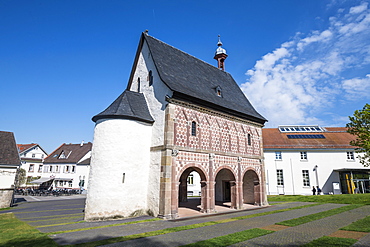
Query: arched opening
(225,189)
(251,188)
(192,190)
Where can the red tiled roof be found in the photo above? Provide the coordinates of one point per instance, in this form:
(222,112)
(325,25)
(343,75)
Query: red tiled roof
(335,138)
(23,147)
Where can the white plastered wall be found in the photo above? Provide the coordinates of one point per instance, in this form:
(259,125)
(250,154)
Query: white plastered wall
(155,96)
(120,147)
(7,176)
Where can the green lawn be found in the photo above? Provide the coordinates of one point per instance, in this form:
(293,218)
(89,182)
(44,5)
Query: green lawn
(362,225)
(17,233)
(331,241)
(344,198)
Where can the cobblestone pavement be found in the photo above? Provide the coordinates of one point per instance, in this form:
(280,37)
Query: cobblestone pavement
(52,215)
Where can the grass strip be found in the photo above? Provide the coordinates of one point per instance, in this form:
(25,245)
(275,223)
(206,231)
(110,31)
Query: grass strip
(331,241)
(17,233)
(64,209)
(362,225)
(146,234)
(232,238)
(274,212)
(317,216)
(97,227)
(1,209)
(339,199)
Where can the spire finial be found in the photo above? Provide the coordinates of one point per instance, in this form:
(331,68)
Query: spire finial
(219,41)
(220,54)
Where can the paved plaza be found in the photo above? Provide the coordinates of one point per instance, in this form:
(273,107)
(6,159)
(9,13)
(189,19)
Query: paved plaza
(66,213)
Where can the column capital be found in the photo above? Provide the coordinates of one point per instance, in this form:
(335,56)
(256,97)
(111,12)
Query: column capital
(211,156)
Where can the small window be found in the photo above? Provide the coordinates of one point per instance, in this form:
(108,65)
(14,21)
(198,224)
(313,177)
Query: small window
(306,178)
(278,155)
(50,168)
(33,155)
(350,156)
(73,168)
(138,84)
(30,169)
(249,139)
(40,168)
(193,128)
(150,78)
(303,155)
(280,177)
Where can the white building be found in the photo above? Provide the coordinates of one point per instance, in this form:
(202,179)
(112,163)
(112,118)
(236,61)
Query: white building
(300,157)
(9,163)
(32,158)
(68,167)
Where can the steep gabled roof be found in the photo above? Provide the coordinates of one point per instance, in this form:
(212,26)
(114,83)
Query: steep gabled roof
(8,149)
(196,81)
(68,153)
(25,147)
(334,138)
(129,105)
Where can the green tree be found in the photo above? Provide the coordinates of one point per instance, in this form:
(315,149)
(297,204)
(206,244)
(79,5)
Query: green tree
(20,177)
(360,127)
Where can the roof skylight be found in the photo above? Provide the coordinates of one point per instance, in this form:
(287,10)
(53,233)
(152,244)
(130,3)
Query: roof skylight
(301,128)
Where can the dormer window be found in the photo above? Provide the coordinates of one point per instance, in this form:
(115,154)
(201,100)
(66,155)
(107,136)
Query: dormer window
(219,91)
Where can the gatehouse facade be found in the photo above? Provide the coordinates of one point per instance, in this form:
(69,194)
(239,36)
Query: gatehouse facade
(177,115)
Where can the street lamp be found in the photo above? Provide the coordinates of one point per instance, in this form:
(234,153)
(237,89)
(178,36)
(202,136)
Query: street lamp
(317,177)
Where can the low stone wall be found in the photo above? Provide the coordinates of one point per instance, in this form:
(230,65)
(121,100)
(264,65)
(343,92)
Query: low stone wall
(6,196)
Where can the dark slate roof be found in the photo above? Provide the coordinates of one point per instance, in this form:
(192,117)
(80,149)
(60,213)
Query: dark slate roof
(196,81)
(72,153)
(8,149)
(129,105)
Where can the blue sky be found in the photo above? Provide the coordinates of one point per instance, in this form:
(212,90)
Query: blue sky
(62,62)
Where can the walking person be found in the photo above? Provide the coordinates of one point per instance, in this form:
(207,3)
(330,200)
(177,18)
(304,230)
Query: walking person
(318,190)
(313,190)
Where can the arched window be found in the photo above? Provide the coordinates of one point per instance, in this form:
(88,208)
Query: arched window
(193,128)
(150,78)
(249,139)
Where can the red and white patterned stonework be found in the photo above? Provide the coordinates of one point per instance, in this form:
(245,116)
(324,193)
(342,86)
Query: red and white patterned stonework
(215,134)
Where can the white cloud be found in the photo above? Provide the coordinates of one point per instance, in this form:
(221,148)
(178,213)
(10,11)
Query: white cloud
(295,82)
(357,87)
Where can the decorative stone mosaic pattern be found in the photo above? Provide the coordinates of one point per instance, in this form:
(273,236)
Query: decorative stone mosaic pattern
(185,159)
(215,133)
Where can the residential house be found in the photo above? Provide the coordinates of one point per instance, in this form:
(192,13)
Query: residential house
(177,115)
(298,158)
(32,158)
(68,166)
(9,163)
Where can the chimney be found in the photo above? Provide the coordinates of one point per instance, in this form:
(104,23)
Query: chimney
(220,55)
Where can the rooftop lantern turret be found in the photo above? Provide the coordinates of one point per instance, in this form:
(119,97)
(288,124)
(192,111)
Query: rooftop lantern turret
(220,55)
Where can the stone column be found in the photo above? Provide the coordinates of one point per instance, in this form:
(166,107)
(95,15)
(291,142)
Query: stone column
(167,163)
(211,184)
(233,194)
(239,184)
